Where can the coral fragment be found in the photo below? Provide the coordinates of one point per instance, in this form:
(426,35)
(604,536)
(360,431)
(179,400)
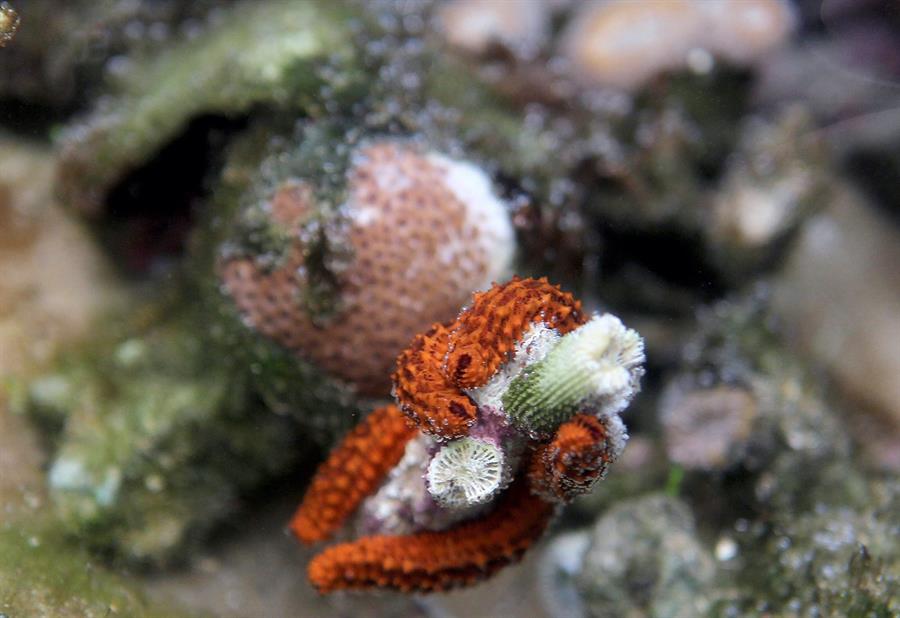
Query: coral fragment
(352,471)
(467,352)
(477,487)
(432,561)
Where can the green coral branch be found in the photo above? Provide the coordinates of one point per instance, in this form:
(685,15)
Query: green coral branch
(597,365)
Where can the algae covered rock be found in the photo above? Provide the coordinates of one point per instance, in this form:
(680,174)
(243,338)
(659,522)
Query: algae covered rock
(158,436)
(745,416)
(43,575)
(63,52)
(839,298)
(261,53)
(644,559)
(834,561)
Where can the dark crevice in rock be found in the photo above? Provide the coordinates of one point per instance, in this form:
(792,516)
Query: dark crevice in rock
(149,214)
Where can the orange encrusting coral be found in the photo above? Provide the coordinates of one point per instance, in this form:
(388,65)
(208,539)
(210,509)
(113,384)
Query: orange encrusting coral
(425,393)
(487,332)
(572,461)
(352,471)
(429,561)
(467,352)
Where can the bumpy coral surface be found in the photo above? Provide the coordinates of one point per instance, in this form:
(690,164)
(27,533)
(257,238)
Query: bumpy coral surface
(352,472)
(429,560)
(424,232)
(431,374)
(476,487)
(574,460)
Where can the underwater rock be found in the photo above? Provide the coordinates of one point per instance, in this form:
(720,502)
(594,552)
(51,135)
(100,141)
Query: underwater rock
(43,575)
(707,428)
(560,563)
(624,44)
(42,572)
(775,442)
(644,559)
(157,437)
(838,298)
(54,282)
(263,53)
(475,25)
(776,178)
(63,52)
(833,561)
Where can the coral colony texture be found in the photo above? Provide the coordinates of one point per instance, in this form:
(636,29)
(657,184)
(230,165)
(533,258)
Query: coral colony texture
(503,413)
(423,230)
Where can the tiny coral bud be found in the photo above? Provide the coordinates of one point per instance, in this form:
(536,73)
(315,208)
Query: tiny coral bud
(597,365)
(465,472)
(577,457)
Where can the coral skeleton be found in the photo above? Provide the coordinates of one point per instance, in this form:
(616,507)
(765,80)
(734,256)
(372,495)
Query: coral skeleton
(504,413)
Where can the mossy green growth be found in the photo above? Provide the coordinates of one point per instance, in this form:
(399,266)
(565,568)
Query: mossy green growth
(42,574)
(262,53)
(835,561)
(161,434)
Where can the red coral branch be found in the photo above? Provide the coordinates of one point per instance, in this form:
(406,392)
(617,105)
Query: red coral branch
(352,471)
(430,561)
(486,333)
(573,461)
(425,393)
(465,353)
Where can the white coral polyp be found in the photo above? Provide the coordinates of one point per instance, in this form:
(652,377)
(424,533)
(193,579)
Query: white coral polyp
(465,472)
(613,356)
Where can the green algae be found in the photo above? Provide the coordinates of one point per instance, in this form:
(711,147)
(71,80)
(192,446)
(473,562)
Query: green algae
(839,560)
(262,54)
(42,574)
(152,430)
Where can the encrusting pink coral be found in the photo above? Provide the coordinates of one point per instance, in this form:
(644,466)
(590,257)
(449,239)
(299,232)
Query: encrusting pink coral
(453,510)
(423,231)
